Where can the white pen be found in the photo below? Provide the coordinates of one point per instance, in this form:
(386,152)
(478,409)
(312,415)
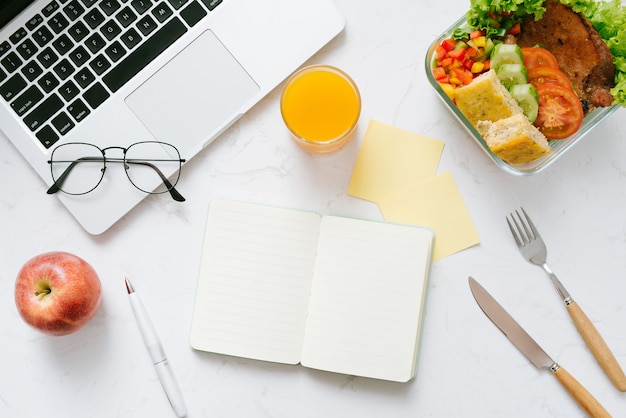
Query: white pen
(157,354)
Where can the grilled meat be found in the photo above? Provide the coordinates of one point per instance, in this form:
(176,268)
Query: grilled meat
(580,51)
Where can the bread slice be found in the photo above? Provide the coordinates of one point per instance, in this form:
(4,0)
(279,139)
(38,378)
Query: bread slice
(514,139)
(485,98)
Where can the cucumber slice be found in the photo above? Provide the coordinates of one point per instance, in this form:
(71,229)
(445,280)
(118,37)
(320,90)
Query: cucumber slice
(528,99)
(512,74)
(506,54)
(489,45)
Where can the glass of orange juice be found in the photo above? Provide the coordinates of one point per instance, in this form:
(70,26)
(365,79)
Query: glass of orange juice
(320,106)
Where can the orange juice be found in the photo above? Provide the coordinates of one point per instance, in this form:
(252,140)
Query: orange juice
(320,106)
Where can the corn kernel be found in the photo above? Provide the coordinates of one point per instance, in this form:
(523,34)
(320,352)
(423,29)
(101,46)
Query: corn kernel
(477,67)
(480,41)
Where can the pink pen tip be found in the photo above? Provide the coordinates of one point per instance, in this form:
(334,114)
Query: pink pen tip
(129,287)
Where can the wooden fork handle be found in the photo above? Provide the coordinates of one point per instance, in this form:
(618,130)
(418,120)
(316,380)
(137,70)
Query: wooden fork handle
(583,397)
(598,347)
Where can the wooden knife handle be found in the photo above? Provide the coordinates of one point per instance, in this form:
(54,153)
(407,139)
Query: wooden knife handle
(582,396)
(598,347)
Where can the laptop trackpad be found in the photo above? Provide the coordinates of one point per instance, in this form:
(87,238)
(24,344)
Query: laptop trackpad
(193,94)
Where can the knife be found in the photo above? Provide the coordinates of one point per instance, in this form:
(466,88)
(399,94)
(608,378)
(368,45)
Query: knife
(533,351)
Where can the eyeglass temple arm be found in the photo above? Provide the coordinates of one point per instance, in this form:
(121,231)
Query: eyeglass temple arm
(170,188)
(56,186)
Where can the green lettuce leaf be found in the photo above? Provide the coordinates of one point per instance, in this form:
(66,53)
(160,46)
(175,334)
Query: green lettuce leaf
(492,15)
(609,19)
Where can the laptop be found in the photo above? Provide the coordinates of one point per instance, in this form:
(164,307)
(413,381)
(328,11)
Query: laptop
(117,72)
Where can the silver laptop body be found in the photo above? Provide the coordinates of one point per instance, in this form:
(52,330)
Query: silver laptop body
(221,58)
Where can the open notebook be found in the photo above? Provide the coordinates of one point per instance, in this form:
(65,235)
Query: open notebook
(332,293)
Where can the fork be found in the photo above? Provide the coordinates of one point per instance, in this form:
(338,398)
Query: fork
(534,250)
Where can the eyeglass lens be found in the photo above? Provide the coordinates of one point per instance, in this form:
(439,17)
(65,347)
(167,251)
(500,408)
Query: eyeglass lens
(77,168)
(149,164)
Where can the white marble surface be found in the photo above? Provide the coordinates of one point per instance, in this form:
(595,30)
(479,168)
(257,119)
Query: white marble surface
(466,368)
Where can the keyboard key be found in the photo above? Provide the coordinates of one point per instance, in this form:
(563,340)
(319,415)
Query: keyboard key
(109,6)
(211,4)
(58,22)
(94,18)
(78,109)
(62,123)
(79,56)
(47,136)
(50,8)
(146,25)
(42,35)
(44,111)
(162,12)
(126,16)
(3,76)
(34,22)
(68,90)
(96,95)
(63,44)
(11,62)
(144,54)
(116,51)
(110,29)
(89,3)
(95,43)
(193,13)
(141,6)
(100,64)
(84,77)
(47,57)
(17,36)
(32,70)
(78,31)
(48,82)
(27,100)
(27,49)
(4,47)
(63,69)
(73,10)
(130,38)
(177,4)
(12,87)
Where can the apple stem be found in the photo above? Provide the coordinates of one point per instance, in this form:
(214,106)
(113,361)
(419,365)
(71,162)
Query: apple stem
(43,292)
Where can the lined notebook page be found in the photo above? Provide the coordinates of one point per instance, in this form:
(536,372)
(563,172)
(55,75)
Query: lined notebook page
(367,298)
(254,281)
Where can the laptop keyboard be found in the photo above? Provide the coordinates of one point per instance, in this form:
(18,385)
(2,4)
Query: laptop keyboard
(71,56)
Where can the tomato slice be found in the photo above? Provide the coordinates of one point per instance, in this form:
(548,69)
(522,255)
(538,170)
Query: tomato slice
(539,57)
(548,75)
(560,111)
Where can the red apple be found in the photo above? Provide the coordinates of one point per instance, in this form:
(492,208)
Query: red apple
(57,292)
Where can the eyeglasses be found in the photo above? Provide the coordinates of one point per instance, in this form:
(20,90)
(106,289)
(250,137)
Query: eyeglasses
(78,168)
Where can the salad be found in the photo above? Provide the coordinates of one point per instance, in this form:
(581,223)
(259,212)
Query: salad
(496,17)
(532,74)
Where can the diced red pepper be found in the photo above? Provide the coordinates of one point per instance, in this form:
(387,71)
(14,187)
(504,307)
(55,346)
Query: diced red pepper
(448,44)
(475,34)
(458,53)
(439,73)
(446,62)
(440,52)
(464,75)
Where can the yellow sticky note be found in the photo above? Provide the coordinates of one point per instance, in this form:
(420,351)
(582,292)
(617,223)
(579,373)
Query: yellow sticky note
(435,203)
(392,159)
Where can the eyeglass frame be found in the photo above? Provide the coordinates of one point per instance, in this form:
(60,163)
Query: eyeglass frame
(56,186)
